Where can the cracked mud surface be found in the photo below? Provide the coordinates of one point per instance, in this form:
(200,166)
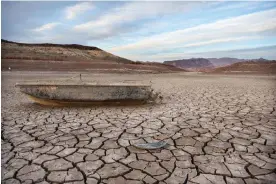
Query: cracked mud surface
(220,129)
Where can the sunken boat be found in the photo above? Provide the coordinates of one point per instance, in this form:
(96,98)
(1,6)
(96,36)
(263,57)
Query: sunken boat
(87,93)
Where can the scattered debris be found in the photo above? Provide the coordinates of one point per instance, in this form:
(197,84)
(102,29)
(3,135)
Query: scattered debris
(154,145)
(155,96)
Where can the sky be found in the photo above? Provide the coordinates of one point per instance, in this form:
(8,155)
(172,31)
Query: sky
(148,31)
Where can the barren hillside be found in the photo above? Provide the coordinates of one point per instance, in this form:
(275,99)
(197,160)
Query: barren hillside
(267,67)
(57,57)
(56,52)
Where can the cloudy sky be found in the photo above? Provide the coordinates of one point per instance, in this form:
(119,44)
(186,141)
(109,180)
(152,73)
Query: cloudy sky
(148,31)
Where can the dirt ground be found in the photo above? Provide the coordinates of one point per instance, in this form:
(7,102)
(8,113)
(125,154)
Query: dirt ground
(220,129)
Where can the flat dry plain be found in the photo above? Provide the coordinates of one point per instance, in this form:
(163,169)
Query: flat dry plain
(220,129)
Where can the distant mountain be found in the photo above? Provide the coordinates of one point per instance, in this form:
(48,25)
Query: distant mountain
(259,60)
(217,62)
(208,63)
(70,57)
(256,66)
(191,64)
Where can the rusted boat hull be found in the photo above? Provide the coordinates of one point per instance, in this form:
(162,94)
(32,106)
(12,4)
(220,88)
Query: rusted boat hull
(64,103)
(86,94)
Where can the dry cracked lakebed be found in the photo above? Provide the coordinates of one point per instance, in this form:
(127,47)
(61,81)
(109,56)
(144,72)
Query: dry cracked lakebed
(222,131)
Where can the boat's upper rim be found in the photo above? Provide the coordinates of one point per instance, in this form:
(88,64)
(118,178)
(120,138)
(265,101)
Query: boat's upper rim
(83,84)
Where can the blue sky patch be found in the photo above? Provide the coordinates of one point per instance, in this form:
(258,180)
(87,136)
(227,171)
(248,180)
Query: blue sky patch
(148,31)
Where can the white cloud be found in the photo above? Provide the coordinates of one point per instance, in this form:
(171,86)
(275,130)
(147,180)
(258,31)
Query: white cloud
(231,29)
(79,8)
(45,27)
(222,40)
(134,11)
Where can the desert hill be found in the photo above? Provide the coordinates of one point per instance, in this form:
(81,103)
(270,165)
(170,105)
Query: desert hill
(56,52)
(72,57)
(263,67)
(224,61)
